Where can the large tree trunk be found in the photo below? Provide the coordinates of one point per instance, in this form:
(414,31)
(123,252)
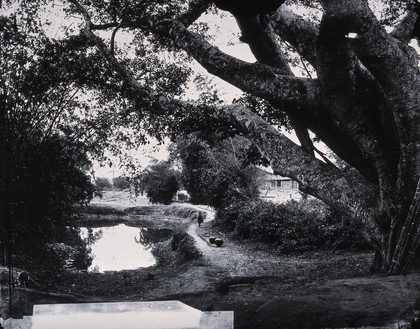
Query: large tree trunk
(403,244)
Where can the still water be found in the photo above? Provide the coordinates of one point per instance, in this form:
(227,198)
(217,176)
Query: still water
(121,247)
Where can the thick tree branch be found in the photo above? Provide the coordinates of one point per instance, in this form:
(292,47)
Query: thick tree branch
(195,10)
(301,34)
(258,33)
(340,143)
(404,30)
(395,68)
(288,158)
(248,7)
(317,178)
(338,73)
(257,79)
(105,26)
(302,133)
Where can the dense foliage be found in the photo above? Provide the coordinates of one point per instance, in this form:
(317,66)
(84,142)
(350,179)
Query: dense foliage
(219,174)
(47,179)
(294,226)
(44,159)
(121,183)
(102,183)
(159,181)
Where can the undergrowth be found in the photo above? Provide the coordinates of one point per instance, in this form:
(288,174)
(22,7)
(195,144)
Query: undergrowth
(294,226)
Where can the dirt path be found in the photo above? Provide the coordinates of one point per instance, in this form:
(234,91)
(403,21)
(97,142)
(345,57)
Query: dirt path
(231,258)
(297,291)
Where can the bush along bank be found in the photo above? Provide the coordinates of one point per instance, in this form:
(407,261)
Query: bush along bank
(292,227)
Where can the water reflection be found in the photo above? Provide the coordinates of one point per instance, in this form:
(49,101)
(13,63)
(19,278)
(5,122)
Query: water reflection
(150,236)
(119,247)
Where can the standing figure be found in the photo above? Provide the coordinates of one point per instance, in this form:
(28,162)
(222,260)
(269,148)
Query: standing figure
(23,279)
(199,218)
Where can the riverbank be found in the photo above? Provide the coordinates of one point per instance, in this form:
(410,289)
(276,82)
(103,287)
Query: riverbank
(264,289)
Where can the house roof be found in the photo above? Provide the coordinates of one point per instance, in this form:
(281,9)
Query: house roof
(265,175)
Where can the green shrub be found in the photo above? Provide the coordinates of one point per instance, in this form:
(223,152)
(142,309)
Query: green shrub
(294,226)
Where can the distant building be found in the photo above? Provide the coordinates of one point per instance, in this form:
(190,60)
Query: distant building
(277,188)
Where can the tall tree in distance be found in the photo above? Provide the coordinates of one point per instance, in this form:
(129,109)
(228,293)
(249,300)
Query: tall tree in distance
(220,174)
(159,181)
(358,94)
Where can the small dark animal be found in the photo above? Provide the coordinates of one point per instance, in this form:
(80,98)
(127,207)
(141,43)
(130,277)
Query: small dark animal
(212,239)
(218,242)
(23,279)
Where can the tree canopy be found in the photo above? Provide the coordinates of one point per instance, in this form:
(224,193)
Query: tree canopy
(43,164)
(357,92)
(159,181)
(219,175)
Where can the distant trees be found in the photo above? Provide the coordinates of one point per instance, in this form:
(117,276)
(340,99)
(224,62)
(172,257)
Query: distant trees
(120,183)
(159,181)
(102,183)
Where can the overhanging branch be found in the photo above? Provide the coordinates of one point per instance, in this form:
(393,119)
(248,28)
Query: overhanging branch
(258,79)
(324,181)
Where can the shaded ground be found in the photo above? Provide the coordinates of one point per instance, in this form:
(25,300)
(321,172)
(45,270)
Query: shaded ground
(264,289)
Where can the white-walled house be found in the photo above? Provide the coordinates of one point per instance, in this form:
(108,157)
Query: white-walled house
(277,188)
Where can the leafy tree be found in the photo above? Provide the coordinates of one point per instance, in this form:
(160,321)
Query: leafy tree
(102,183)
(47,180)
(121,182)
(193,156)
(217,175)
(159,182)
(43,166)
(357,92)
